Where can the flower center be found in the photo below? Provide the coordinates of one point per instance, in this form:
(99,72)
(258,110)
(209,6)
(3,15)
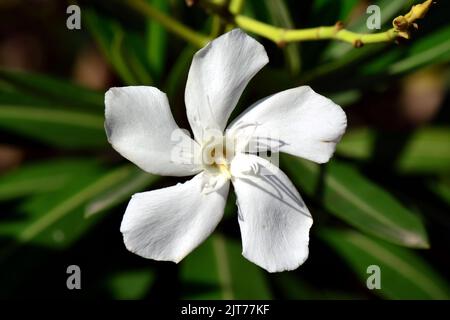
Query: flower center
(217,153)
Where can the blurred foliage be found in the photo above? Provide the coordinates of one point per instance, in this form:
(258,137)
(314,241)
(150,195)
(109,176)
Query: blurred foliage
(384,199)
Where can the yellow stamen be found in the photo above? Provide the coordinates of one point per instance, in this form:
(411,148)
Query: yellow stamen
(224,169)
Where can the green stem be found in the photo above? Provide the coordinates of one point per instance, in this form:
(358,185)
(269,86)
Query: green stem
(230,13)
(282,36)
(170,24)
(401,26)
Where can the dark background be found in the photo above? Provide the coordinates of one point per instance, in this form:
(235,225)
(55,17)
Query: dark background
(394,159)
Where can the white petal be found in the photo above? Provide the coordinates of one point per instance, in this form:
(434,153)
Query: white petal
(297,121)
(141,128)
(218,75)
(167,224)
(273,218)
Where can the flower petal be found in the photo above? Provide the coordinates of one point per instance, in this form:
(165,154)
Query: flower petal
(167,224)
(140,126)
(273,218)
(297,121)
(218,75)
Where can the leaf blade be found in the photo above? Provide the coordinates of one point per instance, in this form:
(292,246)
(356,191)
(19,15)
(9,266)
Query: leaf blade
(351,197)
(58,127)
(217,270)
(425,150)
(404,275)
(39,177)
(56,220)
(53,90)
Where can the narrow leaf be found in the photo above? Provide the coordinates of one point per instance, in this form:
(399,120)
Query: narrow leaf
(120,48)
(56,220)
(63,128)
(53,90)
(350,196)
(425,150)
(135,181)
(40,177)
(281,17)
(403,274)
(157,40)
(217,270)
(432,49)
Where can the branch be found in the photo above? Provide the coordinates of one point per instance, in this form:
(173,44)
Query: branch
(402,26)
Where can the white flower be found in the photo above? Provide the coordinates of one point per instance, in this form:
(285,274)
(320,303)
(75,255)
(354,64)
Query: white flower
(167,224)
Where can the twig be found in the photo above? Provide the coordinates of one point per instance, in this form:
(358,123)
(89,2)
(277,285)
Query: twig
(402,26)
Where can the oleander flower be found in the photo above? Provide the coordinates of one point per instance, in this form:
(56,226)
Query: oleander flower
(167,224)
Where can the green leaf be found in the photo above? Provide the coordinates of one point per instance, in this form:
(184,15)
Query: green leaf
(350,196)
(41,112)
(345,98)
(425,150)
(281,17)
(217,270)
(404,275)
(40,177)
(122,49)
(130,284)
(12,97)
(157,40)
(432,49)
(56,220)
(357,143)
(428,50)
(178,73)
(52,90)
(58,127)
(136,181)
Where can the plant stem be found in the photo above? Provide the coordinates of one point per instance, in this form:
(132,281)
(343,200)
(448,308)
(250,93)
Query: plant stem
(229,11)
(401,27)
(282,36)
(172,25)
